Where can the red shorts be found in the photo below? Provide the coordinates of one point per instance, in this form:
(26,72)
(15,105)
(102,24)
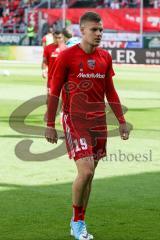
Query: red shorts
(81,142)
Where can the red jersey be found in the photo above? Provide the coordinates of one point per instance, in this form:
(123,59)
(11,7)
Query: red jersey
(85,80)
(51,52)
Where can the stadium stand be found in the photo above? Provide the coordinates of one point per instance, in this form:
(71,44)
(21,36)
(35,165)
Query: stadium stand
(12,13)
(12,16)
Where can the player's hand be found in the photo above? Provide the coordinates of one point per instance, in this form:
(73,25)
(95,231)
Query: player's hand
(51,135)
(124,131)
(44,73)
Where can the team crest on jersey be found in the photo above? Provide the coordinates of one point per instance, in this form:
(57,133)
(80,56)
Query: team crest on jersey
(91,64)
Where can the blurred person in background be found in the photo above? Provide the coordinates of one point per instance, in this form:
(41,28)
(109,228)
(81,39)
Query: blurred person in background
(50,54)
(67,34)
(155,3)
(115,4)
(70,40)
(1,10)
(48,38)
(107,3)
(135,3)
(124,4)
(30,34)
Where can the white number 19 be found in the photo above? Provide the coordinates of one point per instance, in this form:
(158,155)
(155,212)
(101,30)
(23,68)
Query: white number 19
(82,143)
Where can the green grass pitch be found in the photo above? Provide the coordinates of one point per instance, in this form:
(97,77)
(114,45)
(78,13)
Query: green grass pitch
(35,196)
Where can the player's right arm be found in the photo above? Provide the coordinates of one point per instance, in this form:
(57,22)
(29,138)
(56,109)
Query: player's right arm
(45,63)
(44,68)
(57,82)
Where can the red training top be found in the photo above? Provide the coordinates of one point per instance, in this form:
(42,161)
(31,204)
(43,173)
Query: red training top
(51,52)
(85,80)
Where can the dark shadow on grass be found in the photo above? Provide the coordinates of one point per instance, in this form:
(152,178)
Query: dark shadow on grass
(121,208)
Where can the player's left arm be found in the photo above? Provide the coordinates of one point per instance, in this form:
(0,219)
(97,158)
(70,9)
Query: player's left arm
(44,42)
(114,102)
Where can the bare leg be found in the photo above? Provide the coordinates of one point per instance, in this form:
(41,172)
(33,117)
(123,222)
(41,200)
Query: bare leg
(88,189)
(84,178)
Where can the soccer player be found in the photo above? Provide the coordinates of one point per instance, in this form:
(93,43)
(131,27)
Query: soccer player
(50,53)
(84,74)
(69,39)
(48,38)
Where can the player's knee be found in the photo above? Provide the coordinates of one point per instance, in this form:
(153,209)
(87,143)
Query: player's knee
(88,174)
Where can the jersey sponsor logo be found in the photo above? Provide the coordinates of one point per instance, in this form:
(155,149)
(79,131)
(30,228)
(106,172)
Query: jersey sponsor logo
(91,75)
(55,53)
